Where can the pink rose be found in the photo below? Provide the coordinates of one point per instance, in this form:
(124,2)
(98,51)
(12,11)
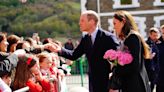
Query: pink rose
(125,58)
(110,54)
(119,57)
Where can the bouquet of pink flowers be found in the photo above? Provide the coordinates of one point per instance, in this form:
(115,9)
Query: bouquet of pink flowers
(118,57)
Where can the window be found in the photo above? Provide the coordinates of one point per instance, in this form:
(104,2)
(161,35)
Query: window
(125,4)
(158,3)
(141,25)
(158,20)
(140,22)
(83,6)
(110,27)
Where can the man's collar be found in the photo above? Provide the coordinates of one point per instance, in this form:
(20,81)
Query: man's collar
(94,32)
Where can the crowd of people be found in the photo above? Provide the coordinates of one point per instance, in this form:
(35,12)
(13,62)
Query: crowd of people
(28,63)
(31,63)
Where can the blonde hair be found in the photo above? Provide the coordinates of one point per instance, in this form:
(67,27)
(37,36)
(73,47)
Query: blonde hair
(162,27)
(92,15)
(42,56)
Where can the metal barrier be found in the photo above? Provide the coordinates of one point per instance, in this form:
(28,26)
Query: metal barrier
(22,89)
(80,78)
(79,75)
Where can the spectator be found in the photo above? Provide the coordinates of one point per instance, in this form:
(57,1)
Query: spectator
(152,65)
(6,67)
(28,74)
(12,40)
(3,43)
(69,45)
(45,62)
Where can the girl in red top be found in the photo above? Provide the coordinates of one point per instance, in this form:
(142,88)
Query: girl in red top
(28,74)
(45,62)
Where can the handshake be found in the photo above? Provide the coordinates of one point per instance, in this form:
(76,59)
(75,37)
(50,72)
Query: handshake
(53,46)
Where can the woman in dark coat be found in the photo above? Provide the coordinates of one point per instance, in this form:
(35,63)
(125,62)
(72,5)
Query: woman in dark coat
(160,84)
(130,77)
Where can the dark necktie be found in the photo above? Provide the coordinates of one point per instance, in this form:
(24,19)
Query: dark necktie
(89,40)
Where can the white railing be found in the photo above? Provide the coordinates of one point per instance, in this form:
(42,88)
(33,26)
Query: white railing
(22,89)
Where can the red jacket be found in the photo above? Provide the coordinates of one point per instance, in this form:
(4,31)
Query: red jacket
(43,86)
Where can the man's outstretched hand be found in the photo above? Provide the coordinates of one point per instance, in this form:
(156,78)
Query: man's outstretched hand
(54,47)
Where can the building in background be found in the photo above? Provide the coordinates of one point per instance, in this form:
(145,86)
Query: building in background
(147,13)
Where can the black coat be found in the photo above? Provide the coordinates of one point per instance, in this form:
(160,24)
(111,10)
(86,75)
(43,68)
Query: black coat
(133,77)
(99,68)
(160,85)
(8,64)
(152,65)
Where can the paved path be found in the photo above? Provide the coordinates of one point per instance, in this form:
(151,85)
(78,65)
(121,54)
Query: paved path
(75,80)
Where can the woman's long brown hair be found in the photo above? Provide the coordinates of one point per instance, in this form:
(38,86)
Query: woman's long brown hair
(23,72)
(129,26)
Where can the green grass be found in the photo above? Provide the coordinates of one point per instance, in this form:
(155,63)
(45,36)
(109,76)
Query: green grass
(75,5)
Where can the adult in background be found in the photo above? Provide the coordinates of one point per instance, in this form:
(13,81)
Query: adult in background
(3,46)
(152,64)
(93,44)
(12,40)
(69,44)
(3,43)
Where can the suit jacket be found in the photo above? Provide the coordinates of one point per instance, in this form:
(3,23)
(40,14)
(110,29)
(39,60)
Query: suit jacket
(133,76)
(99,68)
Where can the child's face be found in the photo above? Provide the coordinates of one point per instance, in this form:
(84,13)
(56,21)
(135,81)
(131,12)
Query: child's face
(46,64)
(35,69)
(7,80)
(55,59)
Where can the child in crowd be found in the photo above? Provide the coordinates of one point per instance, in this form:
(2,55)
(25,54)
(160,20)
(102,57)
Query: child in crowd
(45,62)
(5,79)
(28,74)
(7,66)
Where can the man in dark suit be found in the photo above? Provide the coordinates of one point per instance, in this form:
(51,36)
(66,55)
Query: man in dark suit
(93,44)
(152,65)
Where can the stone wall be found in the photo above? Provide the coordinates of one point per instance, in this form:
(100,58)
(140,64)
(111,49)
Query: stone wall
(106,6)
